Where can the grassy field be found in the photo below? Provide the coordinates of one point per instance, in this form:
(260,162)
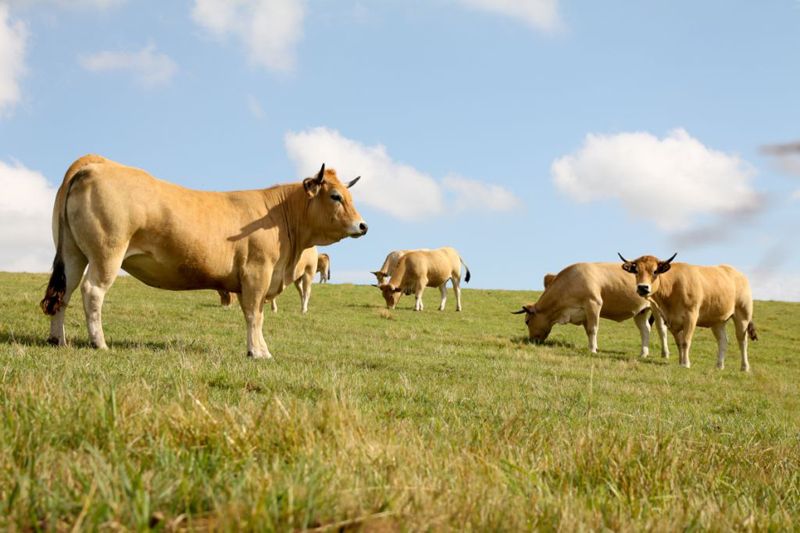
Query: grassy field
(384,421)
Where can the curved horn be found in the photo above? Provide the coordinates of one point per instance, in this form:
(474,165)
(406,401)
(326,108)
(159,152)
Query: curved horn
(321,176)
(353,182)
(671,258)
(623,259)
(523,310)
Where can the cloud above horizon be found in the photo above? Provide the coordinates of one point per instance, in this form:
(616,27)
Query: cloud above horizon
(538,14)
(149,67)
(676,182)
(268,29)
(26,207)
(395,188)
(13,39)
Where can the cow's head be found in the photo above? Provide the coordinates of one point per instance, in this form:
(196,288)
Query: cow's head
(330,213)
(646,269)
(539,325)
(380,275)
(390,294)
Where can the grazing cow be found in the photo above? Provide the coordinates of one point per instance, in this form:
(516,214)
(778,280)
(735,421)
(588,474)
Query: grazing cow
(390,263)
(584,293)
(110,216)
(418,269)
(324,268)
(688,296)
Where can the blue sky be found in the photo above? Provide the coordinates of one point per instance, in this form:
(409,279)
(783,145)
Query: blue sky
(529,135)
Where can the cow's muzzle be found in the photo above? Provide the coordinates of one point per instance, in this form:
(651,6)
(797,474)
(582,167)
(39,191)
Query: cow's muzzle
(643,289)
(359,230)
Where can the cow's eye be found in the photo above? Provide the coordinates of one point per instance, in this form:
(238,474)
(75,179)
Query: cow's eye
(336,197)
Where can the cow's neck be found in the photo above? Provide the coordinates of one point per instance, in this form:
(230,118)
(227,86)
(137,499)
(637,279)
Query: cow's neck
(289,204)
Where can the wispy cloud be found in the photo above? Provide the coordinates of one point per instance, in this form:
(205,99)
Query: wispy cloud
(67,4)
(268,29)
(149,67)
(13,37)
(539,14)
(25,211)
(675,182)
(388,185)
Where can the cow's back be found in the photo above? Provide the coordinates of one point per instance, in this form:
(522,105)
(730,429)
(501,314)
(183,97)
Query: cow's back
(605,283)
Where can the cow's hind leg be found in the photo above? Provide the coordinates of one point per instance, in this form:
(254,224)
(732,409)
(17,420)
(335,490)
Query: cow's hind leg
(99,277)
(740,325)
(722,343)
(643,324)
(74,265)
(418,291)
(304,286)
(592,323)
(443,290)
(683,338)
(457,289)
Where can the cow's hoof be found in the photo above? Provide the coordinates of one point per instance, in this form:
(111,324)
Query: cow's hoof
(686,365)
(745,368)
(720,366)
(53,341)
(259,355)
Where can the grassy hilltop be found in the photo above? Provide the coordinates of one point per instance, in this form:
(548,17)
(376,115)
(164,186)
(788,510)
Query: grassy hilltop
(386,420)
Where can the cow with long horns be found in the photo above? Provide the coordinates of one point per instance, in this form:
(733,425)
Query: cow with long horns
(109,216)
(691,296)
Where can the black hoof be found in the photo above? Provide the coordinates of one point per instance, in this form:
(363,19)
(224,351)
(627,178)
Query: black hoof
(52,341)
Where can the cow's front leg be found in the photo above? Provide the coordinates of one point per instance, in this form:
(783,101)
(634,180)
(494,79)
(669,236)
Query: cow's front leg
(252,302)
(642,323)
(661,327)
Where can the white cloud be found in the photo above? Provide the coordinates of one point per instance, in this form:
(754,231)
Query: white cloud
(539,14)
(472,195)
(268,29)
(13,35)
(672,181)
(149,67)
(26,207)
(395,188)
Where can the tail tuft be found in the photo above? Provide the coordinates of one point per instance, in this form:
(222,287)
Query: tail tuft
(466,278)
(53,299)
(651,320)
(751,331)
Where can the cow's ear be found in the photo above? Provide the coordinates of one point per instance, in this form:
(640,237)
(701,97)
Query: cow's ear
(662,267)
(548,279)
(313,185)
(629,267)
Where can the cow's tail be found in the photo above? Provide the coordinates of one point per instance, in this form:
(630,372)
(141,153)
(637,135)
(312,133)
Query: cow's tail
(651,320)
(53,300)
(466,278)
(329,272)
(751,331)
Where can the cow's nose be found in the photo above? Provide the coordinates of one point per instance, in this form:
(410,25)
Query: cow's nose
(363,227)
(643,290)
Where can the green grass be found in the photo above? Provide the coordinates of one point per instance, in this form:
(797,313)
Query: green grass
(385,421)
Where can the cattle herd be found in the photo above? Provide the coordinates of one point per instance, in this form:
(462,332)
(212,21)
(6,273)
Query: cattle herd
(253,243)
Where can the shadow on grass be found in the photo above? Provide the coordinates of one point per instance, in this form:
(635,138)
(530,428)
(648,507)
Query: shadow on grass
(41,341)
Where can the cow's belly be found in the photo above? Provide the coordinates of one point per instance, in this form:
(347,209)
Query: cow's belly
(167,275)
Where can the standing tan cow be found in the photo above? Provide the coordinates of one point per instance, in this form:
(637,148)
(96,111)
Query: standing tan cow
(418,269)
(390,263)
(110,216)
(324,268)
(688,296)
(582,294)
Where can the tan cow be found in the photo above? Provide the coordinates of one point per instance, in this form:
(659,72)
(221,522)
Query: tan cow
(390,263)
(582,294)
(418,269)
(688,296)
(324,268)
(110,216)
